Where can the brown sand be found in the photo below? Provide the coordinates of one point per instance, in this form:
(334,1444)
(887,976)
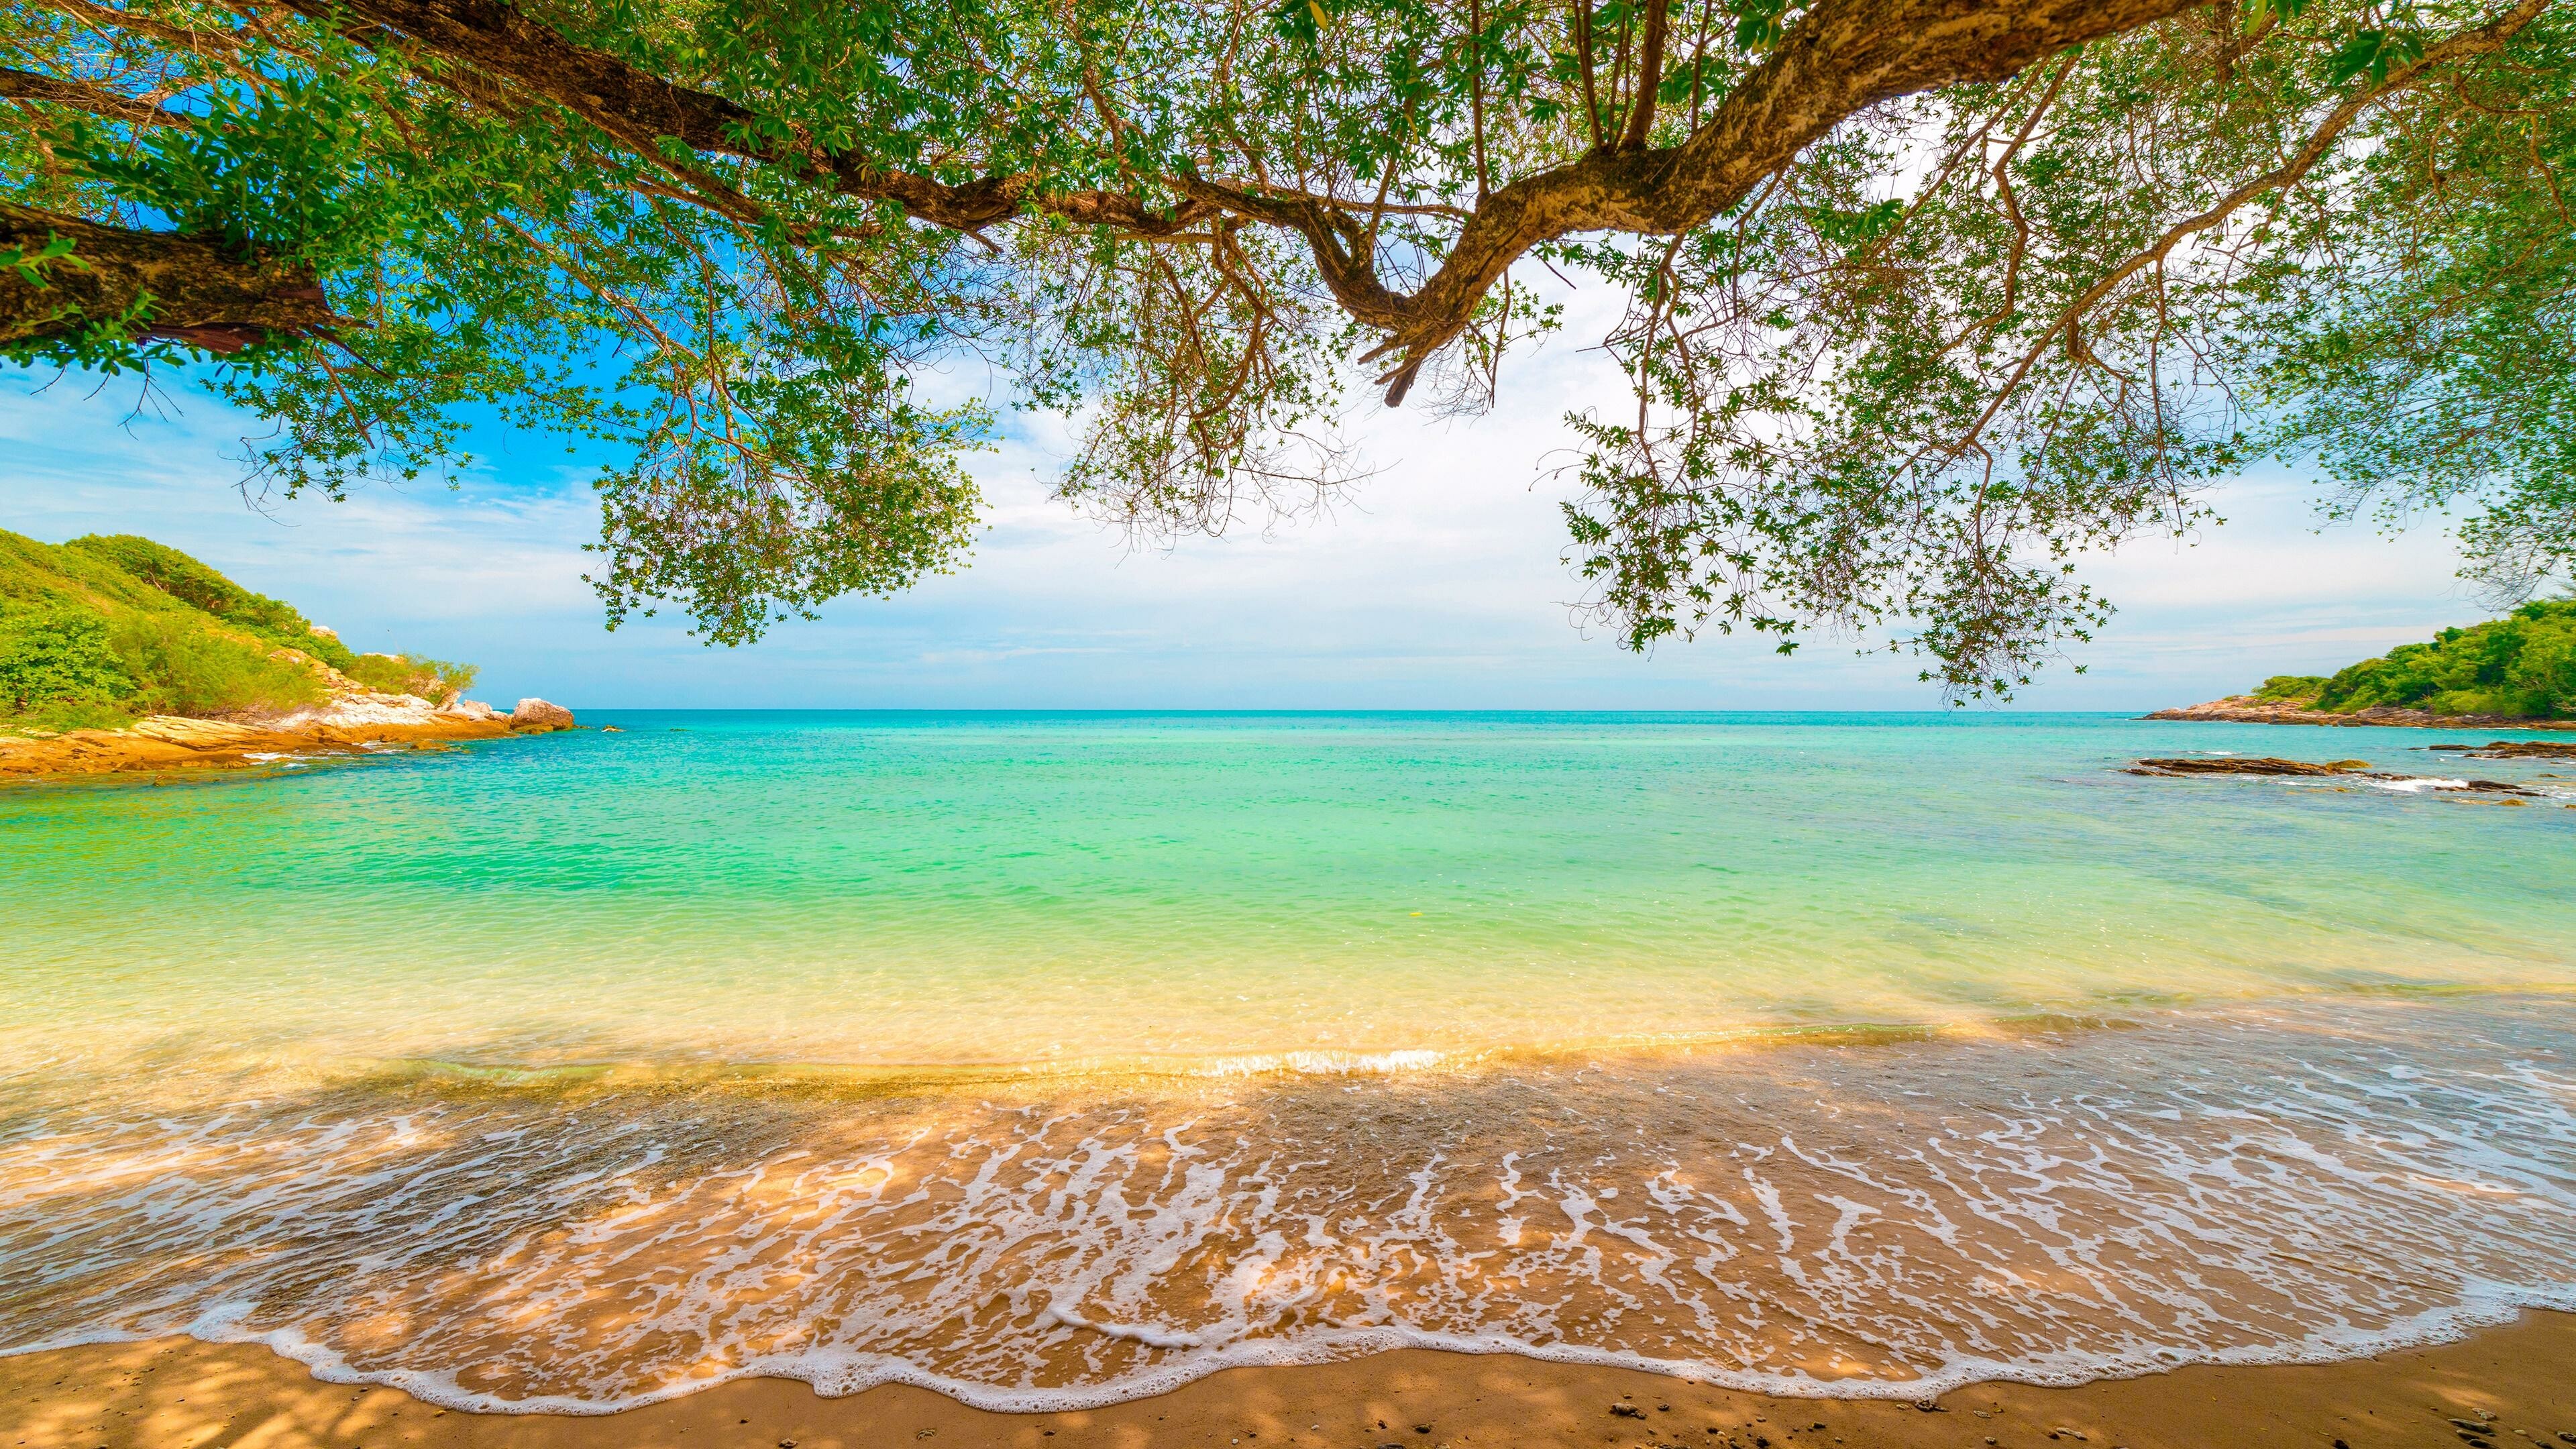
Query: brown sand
(2519,1381)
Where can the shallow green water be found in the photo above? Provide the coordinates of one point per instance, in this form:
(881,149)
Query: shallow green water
(1050,1060)
(905,889)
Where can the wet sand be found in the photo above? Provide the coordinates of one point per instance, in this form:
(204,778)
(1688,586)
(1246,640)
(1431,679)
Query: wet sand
(2519,1381)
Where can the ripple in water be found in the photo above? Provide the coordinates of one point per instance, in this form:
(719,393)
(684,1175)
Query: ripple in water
(1872,1220)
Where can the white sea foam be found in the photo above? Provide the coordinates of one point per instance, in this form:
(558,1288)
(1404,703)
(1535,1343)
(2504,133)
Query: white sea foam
(1883,1222)
(1320,1063)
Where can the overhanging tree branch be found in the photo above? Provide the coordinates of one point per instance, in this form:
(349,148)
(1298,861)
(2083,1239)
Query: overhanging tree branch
(2481,40)
(22,85)
(1842,57)
(184,289)
(641,109)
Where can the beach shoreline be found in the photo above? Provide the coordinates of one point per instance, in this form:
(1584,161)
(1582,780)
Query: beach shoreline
(2518,1380)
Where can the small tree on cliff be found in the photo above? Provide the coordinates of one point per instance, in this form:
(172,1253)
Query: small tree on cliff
(1925,295)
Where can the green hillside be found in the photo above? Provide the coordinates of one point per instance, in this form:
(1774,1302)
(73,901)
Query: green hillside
(2523,665)
(103,630)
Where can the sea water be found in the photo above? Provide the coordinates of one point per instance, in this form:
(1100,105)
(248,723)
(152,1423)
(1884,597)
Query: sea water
(1056,1059)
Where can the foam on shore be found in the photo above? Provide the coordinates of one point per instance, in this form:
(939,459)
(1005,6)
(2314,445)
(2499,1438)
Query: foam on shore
(2260,1186)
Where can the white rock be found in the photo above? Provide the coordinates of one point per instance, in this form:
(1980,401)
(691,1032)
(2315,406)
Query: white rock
(538,714)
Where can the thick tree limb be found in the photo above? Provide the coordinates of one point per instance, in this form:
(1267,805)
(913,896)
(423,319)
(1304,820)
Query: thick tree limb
(25,85)
(639,109)
(1842,57)
(181,288)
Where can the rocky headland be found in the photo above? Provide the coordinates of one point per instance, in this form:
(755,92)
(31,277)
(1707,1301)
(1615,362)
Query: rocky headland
(352,722)
(2517,672)
(119,653)
(2254,709)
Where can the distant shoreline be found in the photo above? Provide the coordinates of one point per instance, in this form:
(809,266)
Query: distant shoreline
(2249,709)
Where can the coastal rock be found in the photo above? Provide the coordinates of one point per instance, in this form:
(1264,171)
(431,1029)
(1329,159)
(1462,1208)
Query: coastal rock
(195,734)
(538,714)
(2253,765)
(2515,750)
(361,709)
(470,709)
(2334,770)
(165,742)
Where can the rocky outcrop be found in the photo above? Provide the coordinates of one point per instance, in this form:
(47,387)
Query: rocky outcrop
(2334,769)
(349,722)
(2515,750)
(538,714)
(2253,765)
(2247,709)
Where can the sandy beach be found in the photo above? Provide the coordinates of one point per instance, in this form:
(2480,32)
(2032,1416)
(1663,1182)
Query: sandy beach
(2520,1379)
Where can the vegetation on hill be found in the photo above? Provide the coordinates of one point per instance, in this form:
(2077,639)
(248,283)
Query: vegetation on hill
(2523,664)
(103,630)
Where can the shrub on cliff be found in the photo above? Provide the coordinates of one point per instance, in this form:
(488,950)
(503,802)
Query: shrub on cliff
(432,679)
(197,671)
(56,663)
(199,587)
(2523,664)
(2292,688)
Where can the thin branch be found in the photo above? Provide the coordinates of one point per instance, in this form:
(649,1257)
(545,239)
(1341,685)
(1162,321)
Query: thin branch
(1650,76)
(21,85)
(2485,38)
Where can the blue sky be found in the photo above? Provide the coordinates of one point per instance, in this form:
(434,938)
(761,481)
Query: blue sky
(1439,586)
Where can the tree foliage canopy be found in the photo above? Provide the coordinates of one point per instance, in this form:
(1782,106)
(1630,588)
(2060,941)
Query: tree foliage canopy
(1925,297)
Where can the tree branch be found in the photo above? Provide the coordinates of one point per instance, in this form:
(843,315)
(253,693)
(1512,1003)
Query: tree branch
(640,109)
(104,19)
(181,288)
(2478,41)
(1844,56)
(1650,76)
(24,85)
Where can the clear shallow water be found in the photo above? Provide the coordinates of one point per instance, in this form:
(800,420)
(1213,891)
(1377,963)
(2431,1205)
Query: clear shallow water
(1026,1055)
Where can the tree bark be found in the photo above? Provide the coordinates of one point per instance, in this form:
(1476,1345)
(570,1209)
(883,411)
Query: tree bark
(188,290)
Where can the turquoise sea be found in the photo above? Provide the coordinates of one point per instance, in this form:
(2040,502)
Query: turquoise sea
(1056,1058)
